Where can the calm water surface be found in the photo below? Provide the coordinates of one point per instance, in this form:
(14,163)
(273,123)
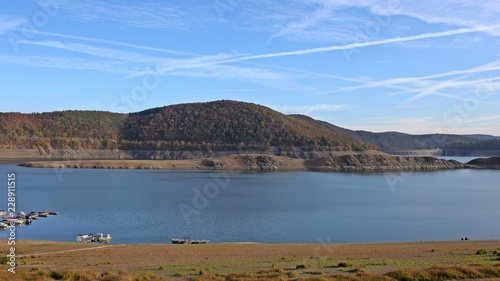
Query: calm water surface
(142,206)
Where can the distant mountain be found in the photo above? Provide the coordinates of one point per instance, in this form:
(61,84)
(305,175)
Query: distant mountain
(394,141)
(211,126)
(488,147)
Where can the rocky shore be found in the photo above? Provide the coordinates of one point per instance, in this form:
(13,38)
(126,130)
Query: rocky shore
(260,162)
(382,163)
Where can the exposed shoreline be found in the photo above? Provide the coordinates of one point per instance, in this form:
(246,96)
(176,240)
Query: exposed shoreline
(349,162)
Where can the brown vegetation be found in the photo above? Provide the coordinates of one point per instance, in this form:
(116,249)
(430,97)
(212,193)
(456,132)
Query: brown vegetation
(40,260)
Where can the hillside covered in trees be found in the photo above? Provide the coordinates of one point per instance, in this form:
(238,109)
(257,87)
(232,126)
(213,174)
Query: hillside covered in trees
(211,126)
(228,125)
(62,129)
(220,125)
(489,147)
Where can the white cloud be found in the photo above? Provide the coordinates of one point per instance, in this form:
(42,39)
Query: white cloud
(151,14)
(8,23)
(308,109)
(65,63)
(105,42)
(230,72)
(318,20)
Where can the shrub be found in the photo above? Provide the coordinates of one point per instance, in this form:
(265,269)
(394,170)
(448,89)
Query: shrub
(344,264)
(300,266)
(409,274)
(481,252)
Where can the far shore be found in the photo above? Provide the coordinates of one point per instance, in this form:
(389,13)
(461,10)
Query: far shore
(353,162)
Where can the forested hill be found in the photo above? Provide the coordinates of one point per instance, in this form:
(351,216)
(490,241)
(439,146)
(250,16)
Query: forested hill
(219,125)
(487,147)
(211,126)
(228,125)
(61,129)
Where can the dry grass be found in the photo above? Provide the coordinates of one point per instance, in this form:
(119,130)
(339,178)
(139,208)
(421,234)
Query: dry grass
(42,260)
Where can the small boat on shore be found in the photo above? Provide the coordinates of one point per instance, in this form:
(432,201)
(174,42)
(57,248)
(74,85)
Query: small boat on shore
(188,241)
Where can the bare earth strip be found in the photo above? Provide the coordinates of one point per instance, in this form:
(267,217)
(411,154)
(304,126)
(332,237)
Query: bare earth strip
(298,260)
(189,164)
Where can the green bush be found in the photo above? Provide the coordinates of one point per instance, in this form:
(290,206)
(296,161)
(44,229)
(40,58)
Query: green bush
(481,252)
(4,260)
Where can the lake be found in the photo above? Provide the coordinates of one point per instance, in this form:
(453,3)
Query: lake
(154,206)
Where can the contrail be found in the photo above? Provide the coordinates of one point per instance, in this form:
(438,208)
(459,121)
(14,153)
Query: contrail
(103,41)
(365,44)
(333,48)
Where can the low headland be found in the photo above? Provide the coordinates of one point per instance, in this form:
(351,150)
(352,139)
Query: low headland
(348,161)
(444,260)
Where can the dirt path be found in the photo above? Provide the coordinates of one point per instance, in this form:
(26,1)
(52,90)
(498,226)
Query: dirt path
(65,251)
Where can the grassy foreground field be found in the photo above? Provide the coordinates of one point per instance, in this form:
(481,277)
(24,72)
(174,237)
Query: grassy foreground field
(43,260)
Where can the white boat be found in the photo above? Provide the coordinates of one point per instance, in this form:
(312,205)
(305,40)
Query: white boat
(99,237)
(13,220)
(88,238)
(84,238)
(2,213)
(3,225)
(43,214)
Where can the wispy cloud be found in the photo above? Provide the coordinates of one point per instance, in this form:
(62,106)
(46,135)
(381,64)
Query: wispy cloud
(66,63)
(9,23)
(104,41)
(467,13)
(318,20)
(150,14)
(308,109)
(137,64)
(231,72)
(321,22)
(419,83)
(454,83)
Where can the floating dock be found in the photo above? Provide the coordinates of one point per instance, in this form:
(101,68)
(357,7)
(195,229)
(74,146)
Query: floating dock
(22,217)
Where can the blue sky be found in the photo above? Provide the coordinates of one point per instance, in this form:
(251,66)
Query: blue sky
(409,66)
